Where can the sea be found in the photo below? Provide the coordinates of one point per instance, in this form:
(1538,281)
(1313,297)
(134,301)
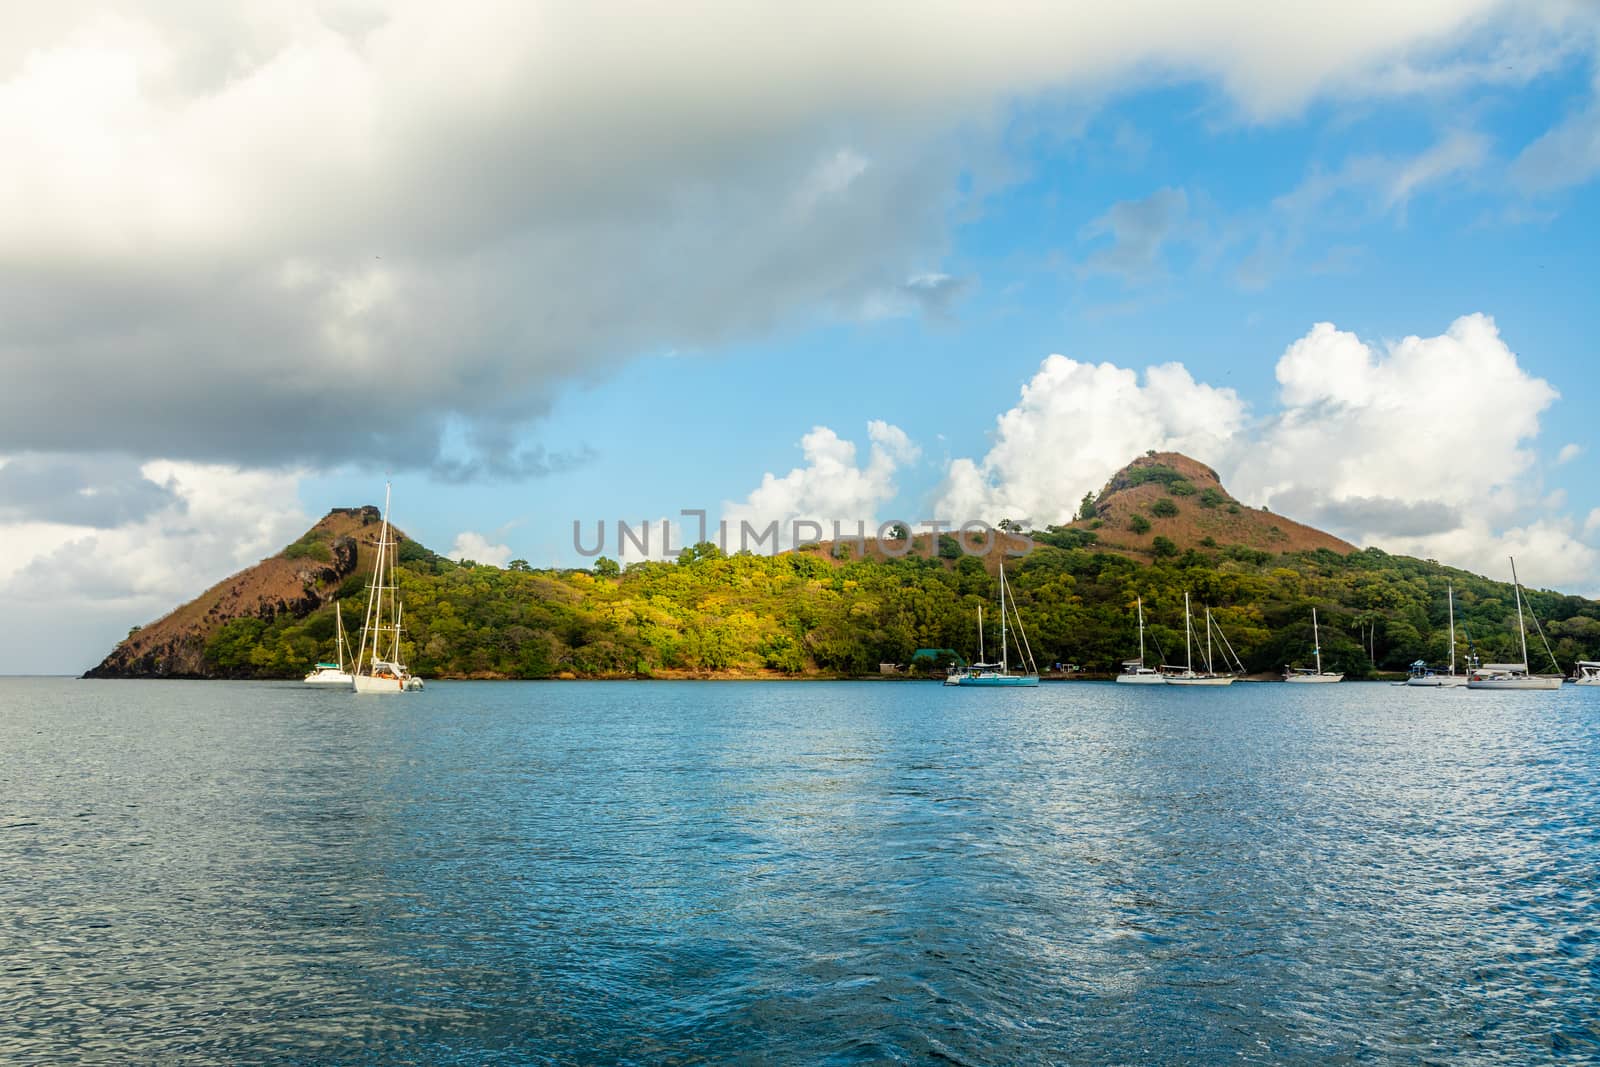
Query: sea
(797,872)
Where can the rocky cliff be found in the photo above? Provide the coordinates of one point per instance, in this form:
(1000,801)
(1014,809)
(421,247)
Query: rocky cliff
(298,580)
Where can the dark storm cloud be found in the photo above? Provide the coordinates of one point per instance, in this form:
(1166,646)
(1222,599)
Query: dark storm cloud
(273,235)
(1367,516)
(102,492)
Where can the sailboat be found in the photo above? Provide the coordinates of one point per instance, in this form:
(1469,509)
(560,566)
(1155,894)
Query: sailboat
(332,673)
(378,668)
(996,675)
(1302,674)
(1189,676)
(1134,672)
(1514,675)
(1423,675)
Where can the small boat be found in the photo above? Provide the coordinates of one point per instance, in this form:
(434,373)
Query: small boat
(378,669)
(1515,675)
(1587,673)
(1134,672)
(1187,675)
(1302,674)
(333,673)
(1424,676)
(998,675)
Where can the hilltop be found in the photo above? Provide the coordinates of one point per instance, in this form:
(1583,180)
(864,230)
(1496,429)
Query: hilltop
(305,576)
(1156,488)
(1161,527)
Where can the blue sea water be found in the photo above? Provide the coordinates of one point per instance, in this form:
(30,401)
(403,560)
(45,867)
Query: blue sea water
(797,873)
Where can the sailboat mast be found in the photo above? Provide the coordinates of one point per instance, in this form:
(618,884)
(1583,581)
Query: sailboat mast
(1141,631)
(1188,637)
(338,630)
(1210,669)
(1450,598)
(1522,628)
(374,613)
(1316,637)
(980,633)
(1005,662)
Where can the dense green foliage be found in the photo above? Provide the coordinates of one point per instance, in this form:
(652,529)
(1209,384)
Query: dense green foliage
(803,613)
(313,545)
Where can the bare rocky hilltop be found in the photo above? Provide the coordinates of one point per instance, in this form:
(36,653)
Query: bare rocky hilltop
(297,581)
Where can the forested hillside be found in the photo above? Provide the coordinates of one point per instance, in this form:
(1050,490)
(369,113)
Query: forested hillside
(1161,527)
(804,613)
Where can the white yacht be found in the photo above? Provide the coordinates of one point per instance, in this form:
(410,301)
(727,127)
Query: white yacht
(983,675)
(1515,675)
(1424,676)
(378,668)
(333,673)
(1588,673)
(1134,672)
(1303,674)
(1188,675)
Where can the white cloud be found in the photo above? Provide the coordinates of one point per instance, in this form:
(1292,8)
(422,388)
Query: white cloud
(1569,452)
(1075,425)
(214,211)
(1567,154)
(831,487)
(1443,421)
(1138,229)
(73,591)
(1424,447)
(479,549)
(1459,153)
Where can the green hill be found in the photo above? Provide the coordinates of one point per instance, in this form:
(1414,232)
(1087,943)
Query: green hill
(811,613)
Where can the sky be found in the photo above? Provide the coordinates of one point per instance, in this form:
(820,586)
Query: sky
(547,263)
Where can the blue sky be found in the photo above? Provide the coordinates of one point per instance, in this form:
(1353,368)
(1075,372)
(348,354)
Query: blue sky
(958,261)
(695,428)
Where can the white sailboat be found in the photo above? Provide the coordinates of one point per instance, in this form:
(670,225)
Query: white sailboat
(333,673)
(1588,673)
(1302,674)
(1134,672)
(378,668)
(1424,676)
(998,675)
(1189,676)
(1514,675)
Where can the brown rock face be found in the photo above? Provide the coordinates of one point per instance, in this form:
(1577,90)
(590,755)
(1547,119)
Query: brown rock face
(1204,510)
(298,580)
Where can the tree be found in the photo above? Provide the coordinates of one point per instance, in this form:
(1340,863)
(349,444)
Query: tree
(1163,548)
(1164,508)
(606,567)
(1139,524)
(1086,508)
(518,565)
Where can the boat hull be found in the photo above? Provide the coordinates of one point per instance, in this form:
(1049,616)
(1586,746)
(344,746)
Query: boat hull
(368,684)
(1314,679)
(1175,680)
(1526,682)
(1141,679)
(994,681)
(1437,681)
(331,678)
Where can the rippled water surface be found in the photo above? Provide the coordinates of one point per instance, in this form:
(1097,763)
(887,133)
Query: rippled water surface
(805,872)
